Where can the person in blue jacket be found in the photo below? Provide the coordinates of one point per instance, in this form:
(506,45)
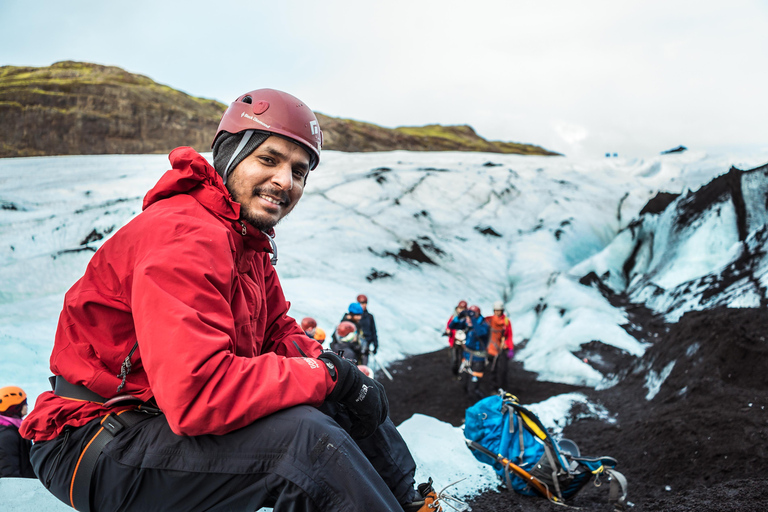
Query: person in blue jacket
(473,364)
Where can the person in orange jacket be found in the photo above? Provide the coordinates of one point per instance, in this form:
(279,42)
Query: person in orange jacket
(500,347)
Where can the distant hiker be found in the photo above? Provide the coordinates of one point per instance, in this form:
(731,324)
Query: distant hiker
(14,449)
(181,383)
(354,315)
(456,338)
(346,341)
(368,325)
(309,325)
(473,363)
(500,346)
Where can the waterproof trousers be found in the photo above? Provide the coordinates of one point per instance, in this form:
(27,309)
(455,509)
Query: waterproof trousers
(473,368)
(498,365)
(298,459)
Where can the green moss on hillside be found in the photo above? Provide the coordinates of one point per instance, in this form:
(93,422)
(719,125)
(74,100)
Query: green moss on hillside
(82,108)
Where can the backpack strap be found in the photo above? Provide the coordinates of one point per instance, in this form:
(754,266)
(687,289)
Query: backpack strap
(618,492)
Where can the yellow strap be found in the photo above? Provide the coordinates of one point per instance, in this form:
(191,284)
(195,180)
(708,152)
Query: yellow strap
(533,426)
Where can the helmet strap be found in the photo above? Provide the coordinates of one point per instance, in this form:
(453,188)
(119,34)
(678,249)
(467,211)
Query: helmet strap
(246,137)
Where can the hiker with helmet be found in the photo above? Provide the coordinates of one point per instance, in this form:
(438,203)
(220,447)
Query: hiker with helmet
(319,335)
(500,345)
(309,325)
(357,344)
(473,363)
(346,341)
(456,338)
(367,325)
(14,449)
(181,382)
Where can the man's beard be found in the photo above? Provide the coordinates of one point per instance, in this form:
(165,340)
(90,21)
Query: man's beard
(267,222)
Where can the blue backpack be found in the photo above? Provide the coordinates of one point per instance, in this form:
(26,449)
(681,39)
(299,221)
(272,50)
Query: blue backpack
(506,435)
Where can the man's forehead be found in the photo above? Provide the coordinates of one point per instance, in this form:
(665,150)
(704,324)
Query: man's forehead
(277,146)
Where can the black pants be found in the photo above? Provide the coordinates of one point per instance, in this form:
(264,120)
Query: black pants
(498,370)
(473,372)
(298,459)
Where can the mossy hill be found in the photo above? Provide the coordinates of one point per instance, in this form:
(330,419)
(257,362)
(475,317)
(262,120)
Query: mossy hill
(74,108)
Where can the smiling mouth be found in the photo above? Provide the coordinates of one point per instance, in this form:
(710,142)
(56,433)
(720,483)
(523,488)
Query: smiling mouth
(271,199)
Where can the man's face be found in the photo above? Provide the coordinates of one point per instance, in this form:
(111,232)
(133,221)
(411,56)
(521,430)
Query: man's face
(269,182)
(364,306)
(499,312)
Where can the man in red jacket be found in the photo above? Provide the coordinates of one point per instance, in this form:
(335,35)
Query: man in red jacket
(181,383)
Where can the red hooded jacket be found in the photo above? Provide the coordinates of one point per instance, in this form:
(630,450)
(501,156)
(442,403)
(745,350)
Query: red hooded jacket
(216,348)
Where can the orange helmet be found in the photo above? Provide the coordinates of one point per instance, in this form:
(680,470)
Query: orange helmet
(12,399)
(319,335)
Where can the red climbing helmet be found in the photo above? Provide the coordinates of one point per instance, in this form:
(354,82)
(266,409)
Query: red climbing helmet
(346,331)
(362,299)
(476,309)
(462,304)
(308,323)
(277,112)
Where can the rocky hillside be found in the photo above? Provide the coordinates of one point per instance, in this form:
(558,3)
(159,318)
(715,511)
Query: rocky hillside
(349,135)
(81,108)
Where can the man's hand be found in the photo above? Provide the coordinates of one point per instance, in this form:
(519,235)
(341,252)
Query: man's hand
(364,398)
(373,349)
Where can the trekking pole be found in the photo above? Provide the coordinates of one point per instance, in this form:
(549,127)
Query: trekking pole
(526,476)
(386,372)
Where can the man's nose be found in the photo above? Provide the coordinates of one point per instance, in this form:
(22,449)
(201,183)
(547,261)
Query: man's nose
(283,176)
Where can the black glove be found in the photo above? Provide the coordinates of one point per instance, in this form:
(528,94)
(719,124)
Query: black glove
(364,398)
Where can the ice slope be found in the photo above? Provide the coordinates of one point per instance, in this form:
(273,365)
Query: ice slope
(416,232)
(705,249)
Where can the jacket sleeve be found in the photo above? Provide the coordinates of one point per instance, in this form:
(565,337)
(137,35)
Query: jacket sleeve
(375,340)
(508,334)
(482,330)
(457,323)
(180,300)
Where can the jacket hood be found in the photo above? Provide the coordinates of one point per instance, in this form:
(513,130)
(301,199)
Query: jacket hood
(191,174)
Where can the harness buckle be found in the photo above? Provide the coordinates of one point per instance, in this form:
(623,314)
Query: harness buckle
(113,424)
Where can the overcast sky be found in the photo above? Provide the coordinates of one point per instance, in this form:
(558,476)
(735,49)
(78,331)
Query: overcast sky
(582,78)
